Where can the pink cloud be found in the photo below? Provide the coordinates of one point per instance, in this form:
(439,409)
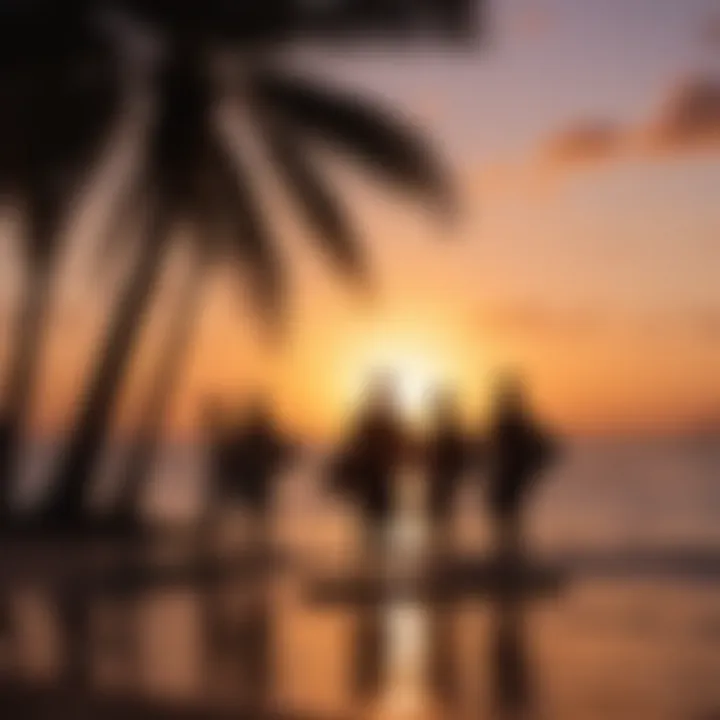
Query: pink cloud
(688,119)
(588,141)
(527,321)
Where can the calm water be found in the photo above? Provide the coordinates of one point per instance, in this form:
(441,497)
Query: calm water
(634,646)
(602,494)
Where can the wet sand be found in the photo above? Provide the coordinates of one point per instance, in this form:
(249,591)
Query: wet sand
(630,630)
(598,647)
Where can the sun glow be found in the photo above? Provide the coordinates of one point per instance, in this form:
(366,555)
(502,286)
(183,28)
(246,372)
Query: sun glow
(416,379)
(424,349)
(417,372)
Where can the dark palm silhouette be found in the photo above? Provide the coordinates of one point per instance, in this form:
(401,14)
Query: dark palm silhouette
(139,464)
(190,177)
(59,94)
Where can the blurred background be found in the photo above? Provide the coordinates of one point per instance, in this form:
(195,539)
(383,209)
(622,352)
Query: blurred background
(221,224)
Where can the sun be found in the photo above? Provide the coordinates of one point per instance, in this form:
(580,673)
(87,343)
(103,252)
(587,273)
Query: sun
(416,379)
(416,370)
(424,352)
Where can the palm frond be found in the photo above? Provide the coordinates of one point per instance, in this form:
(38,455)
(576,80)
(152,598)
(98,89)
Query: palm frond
(59,105)
(236,204)
(374,135)
(117,234)
(178,139)
(322,208)
(93,97)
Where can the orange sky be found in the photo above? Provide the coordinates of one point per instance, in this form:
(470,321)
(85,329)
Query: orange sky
(587,152)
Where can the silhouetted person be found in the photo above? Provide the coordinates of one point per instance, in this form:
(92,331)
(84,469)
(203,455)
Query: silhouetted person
(260,454)
(447,457)
(370,459)
(247,456)
(220,441)
(519,449)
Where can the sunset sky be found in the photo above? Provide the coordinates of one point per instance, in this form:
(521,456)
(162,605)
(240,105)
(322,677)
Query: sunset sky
(585,137)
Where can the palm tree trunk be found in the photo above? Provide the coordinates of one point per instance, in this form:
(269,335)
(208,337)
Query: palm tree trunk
(75,473)
(28,338)
(167,376)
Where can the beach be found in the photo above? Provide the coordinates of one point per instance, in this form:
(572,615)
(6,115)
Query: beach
(631,631)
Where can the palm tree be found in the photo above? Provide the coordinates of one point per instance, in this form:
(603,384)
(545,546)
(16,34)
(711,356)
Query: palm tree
(324,212)
(191,177)
(58,94)
(166,377)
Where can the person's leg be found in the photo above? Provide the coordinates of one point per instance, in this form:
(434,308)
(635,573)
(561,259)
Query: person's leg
(375,540)
(207,523)
(375,523)
(439,535)
(366,537)
(515,535)
(264,525)
(503,534)
(509,536)
(438,514)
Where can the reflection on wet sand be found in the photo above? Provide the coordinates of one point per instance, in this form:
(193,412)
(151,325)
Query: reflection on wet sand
(509,659)
(251,645)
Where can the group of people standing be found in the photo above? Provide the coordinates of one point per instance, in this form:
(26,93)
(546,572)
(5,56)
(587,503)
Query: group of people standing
(250,453)
(506,458)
